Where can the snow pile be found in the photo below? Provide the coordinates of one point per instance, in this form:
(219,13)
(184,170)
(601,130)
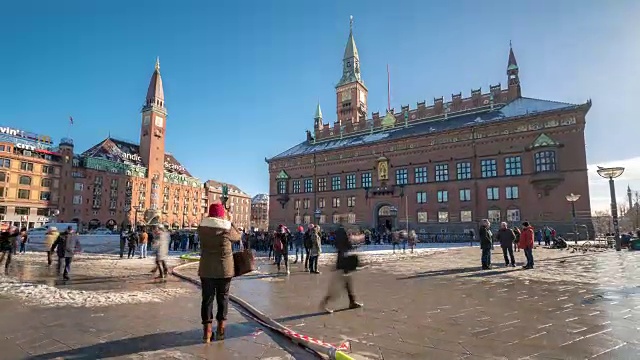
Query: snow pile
(44,295)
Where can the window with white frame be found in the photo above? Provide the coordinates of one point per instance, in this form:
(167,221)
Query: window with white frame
(494,216)
(465,216)
(443,216)
(422,217)
(420,175)
(488,168)
(513,166)
(513,215)
(511,192)
(465,194)
(421,197)
(493,193)
(443,196)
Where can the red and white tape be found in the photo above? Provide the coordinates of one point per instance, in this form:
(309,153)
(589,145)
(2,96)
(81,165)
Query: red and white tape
(344,346)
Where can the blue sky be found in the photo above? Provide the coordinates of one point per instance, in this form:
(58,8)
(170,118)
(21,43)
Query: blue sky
(242,78)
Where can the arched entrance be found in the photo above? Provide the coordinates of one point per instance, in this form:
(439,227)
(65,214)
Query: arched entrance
(386,217)
(111,224)
(93,224)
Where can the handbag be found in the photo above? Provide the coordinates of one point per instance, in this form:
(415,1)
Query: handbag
(348,262)
(243,262)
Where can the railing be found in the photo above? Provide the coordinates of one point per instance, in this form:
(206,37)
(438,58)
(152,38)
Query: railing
(444,238)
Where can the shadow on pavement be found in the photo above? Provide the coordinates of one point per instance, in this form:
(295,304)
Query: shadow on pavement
(306,316)
(145,343)
(432,273)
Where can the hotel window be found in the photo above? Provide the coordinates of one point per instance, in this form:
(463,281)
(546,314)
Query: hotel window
(421,197)
(45,182)
(3,191)
(351,201)
(336,218)
(321,203)
(3,177)
(296,186)
(420,175)
(442,172)
(308,185)
(322,184)
(351,181)
(465,216)
(402,177)
(46,169)
(42,212)
(45,195)
(513,166)
(26,166)
(489,168)
(493,193)
(6,163)
(25,180)
(323,219)
(422,217)
(465,194)
(296,204)
(443,216)
(365,180)
(513,215)
(282,187)
(77,199)
(545,161)
(494,216)
(443,196)
(512,192)
(306,203)
(335,183)
(335,202)
(22,210)
(463,170)
(24,194)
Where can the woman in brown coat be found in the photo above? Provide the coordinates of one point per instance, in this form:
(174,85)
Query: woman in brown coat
(216,234)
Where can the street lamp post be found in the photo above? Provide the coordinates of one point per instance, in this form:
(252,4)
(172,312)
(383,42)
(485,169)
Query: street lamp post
(393,211)
(572,198)
(612,173)
(135,217)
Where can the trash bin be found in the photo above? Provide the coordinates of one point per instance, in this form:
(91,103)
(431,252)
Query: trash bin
(634,244)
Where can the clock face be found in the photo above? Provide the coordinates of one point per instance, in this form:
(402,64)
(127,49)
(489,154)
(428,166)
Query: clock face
(159,121)
(146,120)
(346,95)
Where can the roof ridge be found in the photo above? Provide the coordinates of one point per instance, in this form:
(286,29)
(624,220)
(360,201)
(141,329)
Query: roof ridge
(551,101)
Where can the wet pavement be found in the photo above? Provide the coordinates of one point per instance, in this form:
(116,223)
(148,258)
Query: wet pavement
(169,329)
(574,305)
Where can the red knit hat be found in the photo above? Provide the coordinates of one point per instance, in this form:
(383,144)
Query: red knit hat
(216,210)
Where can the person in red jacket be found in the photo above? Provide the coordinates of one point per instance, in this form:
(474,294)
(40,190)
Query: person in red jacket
(526,243)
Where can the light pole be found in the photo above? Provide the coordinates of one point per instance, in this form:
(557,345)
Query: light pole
(572,198)
(612,173)
(393,211)
(135,218)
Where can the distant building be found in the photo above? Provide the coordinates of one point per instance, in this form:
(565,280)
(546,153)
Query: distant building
(260,212)
(239,202)
(436,168)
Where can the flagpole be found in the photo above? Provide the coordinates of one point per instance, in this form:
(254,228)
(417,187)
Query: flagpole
(69,128)
(388,90)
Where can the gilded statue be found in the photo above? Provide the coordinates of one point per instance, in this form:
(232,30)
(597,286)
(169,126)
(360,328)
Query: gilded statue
(383,171)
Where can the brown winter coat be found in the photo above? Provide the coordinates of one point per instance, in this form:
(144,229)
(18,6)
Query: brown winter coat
(216,259)
(144,238)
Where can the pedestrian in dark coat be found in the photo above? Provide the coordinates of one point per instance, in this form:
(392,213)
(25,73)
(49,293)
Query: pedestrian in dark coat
(65,246)
(506,237)
(486,243)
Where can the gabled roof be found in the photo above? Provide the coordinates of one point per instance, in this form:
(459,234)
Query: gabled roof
(218,185)
(517,108)
(128,153)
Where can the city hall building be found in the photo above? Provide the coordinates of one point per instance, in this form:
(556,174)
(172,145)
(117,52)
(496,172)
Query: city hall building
(113,184)
(438,167)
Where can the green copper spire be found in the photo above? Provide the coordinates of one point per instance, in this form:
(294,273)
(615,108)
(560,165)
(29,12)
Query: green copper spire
(318,112)
(350,61)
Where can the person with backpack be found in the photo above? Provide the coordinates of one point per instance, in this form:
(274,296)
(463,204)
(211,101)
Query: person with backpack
(65,246)
(281,248)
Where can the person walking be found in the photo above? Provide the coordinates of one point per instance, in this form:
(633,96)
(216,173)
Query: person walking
(132,242)
(216,268)
(6,248)
(23,237)
(413,239)
(161,244)
(281,248)
(307,243)
(65,246)
(506,237)
(516,232)
(123,242)
(526,243)
(49,239)
(344,268)
(486,243)
(144,240)
(298,240)
(315,249)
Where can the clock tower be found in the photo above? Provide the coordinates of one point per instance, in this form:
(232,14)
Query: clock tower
(152,136)
(350,90)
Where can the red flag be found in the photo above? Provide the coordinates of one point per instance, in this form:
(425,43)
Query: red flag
(71,120)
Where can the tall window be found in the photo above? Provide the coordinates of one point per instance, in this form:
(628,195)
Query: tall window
(511,192)
(296,186)
(296,204)
(443,196)
(442,172)
(513,166)
(46,169)
(335,202)
(402,177)
(488,168)
(26,166)
(306,203)
(420,174)
(351,181)
(24,194)
(351,201)
(6,163)
(545,161)
(308,185)
(45,182)
(493,193)
(421,197)
(322,184)
(465,194)
(282,187)
(45,195)
(494,216)
(463,170)
(365,180)
(77,199)
(321,203)
(3,177)
(513,215)
(25,180)
(335,183)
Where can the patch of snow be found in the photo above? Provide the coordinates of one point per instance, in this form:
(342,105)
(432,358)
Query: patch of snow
(45,295)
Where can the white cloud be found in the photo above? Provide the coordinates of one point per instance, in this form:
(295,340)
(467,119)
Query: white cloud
(599,187)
